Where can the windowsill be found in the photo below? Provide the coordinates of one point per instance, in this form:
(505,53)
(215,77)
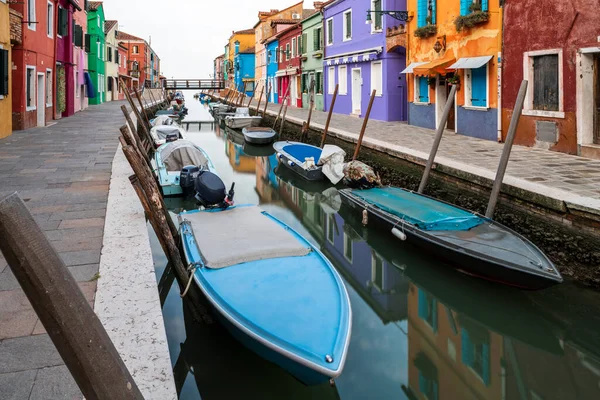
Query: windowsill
(50,37)
(1,97)
(476,108)
(31,28)
(347,40)
(32,108)
(418,103)
(542,113)
(329,44)
(376,31)
(48,105)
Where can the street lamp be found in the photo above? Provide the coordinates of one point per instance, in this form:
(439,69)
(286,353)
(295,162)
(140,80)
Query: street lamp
(399,15)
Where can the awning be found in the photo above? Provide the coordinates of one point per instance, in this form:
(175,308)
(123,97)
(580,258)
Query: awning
(434,67)
(470,62)
(412,66)
(285,72)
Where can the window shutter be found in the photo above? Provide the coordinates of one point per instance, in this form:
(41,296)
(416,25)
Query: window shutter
(348,25)
(485,356)
(378,16)
(3,72)
(545,83)
(466,348)
(464,7)
(117,56)
(87,43)
(422,305)
(433,4)
(484,5)
(63,21)
(304,43)
(73,29)
(422,13)
(479,87)
(423,90)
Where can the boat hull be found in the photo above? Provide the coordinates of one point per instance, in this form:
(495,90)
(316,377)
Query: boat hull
(243,122)
(310,174)
(259,137)
(476,265)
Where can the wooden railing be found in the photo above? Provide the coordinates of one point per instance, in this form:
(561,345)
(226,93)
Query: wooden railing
(197,84)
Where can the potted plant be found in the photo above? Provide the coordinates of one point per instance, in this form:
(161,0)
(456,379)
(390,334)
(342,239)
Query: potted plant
(425,31)
(476,17)
(454,80)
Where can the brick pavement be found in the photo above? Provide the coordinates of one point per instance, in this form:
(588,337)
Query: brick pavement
(63,173)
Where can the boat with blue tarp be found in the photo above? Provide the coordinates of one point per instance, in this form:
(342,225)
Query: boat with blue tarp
(471,243)
(273,290)
(301,158)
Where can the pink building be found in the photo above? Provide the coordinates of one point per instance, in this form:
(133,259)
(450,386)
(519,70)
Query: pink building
(80,61)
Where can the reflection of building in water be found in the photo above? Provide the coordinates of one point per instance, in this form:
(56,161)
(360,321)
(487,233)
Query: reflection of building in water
(450,356)
(239,161)
(267,185)
(380,284)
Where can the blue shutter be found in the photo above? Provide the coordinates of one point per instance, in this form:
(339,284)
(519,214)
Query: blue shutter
(479,87)
(464,7)
(422,383)
(434,312)
(484,5)
(466,348)
(421,13)
(433,11)
(423,89)
(486,364)
(422,301)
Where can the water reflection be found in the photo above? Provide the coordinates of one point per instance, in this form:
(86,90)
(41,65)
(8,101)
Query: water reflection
(420,331)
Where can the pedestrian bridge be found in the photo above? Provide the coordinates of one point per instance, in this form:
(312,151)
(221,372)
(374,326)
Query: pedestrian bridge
(194,84)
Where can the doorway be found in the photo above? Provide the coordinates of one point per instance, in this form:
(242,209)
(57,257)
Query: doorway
(356,91)
(596,100)
(41,100)
(442,91)
(293,91)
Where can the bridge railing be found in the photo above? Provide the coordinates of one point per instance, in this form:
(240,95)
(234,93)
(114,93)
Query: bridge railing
(198,84)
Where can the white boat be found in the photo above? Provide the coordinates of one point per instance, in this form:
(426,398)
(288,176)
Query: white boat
(242,119)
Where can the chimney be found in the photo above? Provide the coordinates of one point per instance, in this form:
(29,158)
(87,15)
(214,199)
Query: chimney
(318,5)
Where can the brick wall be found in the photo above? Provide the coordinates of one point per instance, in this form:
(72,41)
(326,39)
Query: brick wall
(16,27)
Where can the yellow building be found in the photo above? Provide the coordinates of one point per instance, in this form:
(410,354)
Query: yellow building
(455,43)
(246,41)
(263,30)
(5,72)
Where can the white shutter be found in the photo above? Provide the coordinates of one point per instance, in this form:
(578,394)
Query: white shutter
(377,78)
(343,79)
(330,80)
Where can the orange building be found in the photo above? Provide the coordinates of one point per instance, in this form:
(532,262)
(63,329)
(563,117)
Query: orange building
(246,41)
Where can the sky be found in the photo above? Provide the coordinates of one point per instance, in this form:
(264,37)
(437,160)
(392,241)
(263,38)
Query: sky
(188,35)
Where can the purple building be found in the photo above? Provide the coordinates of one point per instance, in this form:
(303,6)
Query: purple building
(359,59)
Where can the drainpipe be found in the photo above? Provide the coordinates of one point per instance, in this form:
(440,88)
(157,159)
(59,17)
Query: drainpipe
(500,69)
(54,80)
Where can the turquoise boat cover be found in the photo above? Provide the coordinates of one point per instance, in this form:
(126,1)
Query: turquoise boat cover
(424,213)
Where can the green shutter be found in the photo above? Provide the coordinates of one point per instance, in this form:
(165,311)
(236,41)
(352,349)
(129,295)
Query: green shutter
(3,72)
(304,44)
(378,16)
(348,25)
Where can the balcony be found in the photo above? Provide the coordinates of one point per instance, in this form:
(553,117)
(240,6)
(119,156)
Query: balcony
(134,74)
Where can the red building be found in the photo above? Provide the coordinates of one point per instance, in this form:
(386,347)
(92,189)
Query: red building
(34,64)
(123,71)
(142,61)
(555,46)
(289,68)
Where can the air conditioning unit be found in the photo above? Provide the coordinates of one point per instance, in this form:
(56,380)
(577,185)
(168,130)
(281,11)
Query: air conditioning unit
(295,16)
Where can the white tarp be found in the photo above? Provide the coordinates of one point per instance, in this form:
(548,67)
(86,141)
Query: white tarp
(163,120)
(410,69)
(182,153)
(332,160)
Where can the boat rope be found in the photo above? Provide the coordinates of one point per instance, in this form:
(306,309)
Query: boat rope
(191,268)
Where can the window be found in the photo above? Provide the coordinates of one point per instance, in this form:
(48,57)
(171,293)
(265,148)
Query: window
(377,273)
(544,71)
(293,47)
(78,36)
(77,92)
(348,247)
(50,20)
(377,18)
(347,25)
(299,49)
(4,72)
(477,84)
(287,51)
(30,94)
(343,79)
(331,229)
(377,78)
(136,50)
(88,43)
(475,347)
(304,44)
(31,20)
(110,83)
(109,52)
(117,57)
(330,80)
(317,39)
(98,54)
(63,22)
(426,12)
(319,82)
(303,84)
(276,54)
(421,89)
(428,309)
(48,88)
(329,32)
(469,6)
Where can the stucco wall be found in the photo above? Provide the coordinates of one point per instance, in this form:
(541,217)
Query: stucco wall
(80,60)
(111,67)
(421,115)
(477,123)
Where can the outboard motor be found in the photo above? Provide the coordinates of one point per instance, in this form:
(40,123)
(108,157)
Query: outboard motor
(187,179)
(210,190)
(171,137)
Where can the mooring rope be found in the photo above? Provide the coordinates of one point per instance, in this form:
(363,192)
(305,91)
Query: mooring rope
(191,268)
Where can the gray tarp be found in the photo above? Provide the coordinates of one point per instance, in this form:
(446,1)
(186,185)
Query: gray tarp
(160,132)
(181,153)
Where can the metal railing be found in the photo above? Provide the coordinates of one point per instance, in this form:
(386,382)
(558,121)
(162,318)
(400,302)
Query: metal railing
(198,84)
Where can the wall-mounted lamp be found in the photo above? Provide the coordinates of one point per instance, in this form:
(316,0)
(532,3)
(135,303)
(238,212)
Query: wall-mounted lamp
(440,44)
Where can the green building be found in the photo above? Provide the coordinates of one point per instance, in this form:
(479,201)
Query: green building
(312,59)
(95,44)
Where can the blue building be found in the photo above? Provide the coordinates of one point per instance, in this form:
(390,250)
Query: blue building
(272,66)
(243,62)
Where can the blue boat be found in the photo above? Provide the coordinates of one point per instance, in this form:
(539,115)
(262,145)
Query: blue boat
(272,289)
(301,158)
(172,158)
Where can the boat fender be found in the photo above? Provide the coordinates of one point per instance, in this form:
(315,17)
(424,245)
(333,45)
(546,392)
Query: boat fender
(399,234)
(291,163)
(279,156)
(365,219)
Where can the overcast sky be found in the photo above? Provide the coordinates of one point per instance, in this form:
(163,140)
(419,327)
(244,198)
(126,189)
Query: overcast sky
(187,35)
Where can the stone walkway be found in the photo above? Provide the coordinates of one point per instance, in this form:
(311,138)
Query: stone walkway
(568,181)
(63,173)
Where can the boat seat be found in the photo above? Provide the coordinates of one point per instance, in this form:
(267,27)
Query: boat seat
(240,235)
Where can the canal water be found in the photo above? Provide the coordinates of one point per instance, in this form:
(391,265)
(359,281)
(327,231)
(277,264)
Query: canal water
(420,330)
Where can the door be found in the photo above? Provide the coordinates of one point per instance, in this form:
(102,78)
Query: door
(41,101)
(356,91)
(597,100)
(293,91)
(452,116)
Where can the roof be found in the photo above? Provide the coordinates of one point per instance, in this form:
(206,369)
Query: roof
(307,15)
(108,25)
(126,36)
(283,32)
(263,15)
(244,32)
(93,5)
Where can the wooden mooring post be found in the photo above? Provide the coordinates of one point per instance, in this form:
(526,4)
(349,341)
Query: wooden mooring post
(311,103)
(438,138)
(283,118)
(65,313)
(260,100)
(139,97)
(510,138)
(132,134)
(364,126)
(264,113)
(335,92)
(137,113)
(251,97)
(287,91)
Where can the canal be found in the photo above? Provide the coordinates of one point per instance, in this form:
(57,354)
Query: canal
(420,330)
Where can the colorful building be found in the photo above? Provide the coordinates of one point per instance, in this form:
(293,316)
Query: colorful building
(227,67)
(360,58)
(154,69)
(312,58)
(263,30)
(243,63)
(289,71)
(80,60)
(123,73)
(460,43)
(143,62)
(33,63)
(245,38)
(218,67)
(96,43)
(272,46)
(5,71)
(562,106)
(111,65)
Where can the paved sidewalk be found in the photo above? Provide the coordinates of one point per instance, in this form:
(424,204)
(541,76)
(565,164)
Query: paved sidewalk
(63,173)
(567,181)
